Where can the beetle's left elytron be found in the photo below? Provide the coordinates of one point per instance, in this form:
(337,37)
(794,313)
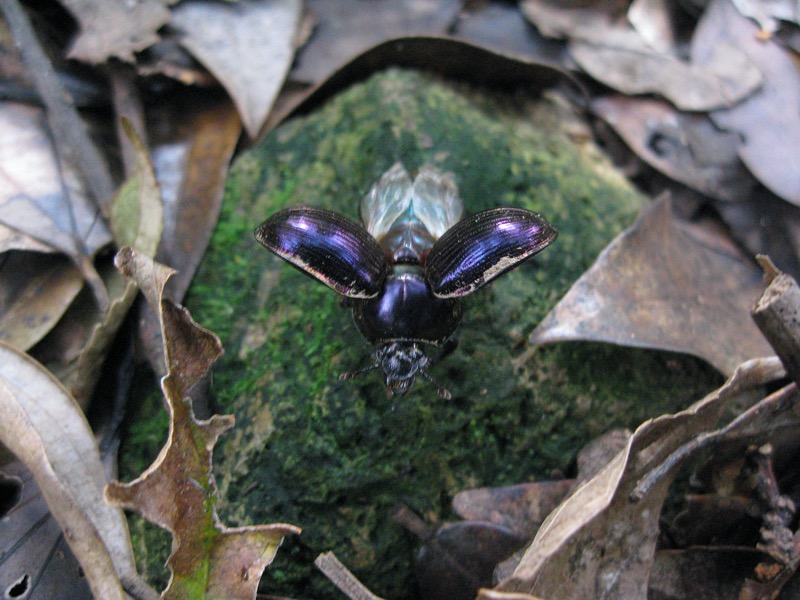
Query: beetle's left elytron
(407,268)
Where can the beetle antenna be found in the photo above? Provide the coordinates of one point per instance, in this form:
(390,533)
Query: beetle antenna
(357,372)
(443,392)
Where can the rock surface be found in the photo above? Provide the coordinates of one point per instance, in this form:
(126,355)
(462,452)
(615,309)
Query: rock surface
(336,458)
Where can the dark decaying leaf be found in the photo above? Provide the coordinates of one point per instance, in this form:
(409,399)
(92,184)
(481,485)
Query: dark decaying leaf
(767,122)
(178,491)
(686,147)
(35,560)
(520,508)
(447,57)
(248,46)
(598,543)
(708,573)
(766,225)
(460,558)
(348,28)
(660,285)
(500,27)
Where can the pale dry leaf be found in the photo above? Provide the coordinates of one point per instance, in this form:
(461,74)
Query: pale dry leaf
(247,45)
(33,189)
(600,544)
(768,121)
(652,19)
(768,13)
(115,28)
(660,285)
(687,147)
(39,297)
(46,429)
(725,79)
(620,58)
(347,30)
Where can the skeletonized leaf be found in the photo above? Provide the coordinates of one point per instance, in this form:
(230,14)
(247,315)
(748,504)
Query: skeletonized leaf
(659,286)
(248,46)
(47,431)
(178,491)
(598,536)
(115,28)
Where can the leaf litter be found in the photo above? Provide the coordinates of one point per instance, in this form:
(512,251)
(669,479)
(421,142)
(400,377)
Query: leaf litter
(750,109)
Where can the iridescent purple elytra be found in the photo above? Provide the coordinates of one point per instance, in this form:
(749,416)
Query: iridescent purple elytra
(406,269)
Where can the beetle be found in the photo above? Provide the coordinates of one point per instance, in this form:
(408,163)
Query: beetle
(405,271)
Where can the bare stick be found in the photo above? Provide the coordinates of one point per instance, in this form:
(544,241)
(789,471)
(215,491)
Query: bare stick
(777,314)
(342,578)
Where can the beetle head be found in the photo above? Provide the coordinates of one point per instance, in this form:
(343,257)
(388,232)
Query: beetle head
(401,362)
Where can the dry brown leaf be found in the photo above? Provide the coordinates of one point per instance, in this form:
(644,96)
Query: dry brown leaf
(178,491)
(115,28)
(213,130)
(248,46)
(600,544)
(768,121)
(46,429)
(725,79)
(658,285)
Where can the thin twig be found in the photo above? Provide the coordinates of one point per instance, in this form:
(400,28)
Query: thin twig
(342,578)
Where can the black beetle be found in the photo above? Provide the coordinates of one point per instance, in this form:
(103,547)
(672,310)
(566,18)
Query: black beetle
(405,273)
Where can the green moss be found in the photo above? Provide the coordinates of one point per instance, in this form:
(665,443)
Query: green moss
(337,457)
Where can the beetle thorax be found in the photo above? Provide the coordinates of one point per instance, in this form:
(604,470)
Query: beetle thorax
(401,363)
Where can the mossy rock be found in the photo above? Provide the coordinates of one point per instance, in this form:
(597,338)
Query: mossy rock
(336,458)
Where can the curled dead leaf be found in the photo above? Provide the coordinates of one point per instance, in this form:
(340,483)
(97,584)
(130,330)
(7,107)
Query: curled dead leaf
(178,491)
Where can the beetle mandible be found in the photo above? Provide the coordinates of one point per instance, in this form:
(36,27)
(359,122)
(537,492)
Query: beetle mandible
(406,269)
